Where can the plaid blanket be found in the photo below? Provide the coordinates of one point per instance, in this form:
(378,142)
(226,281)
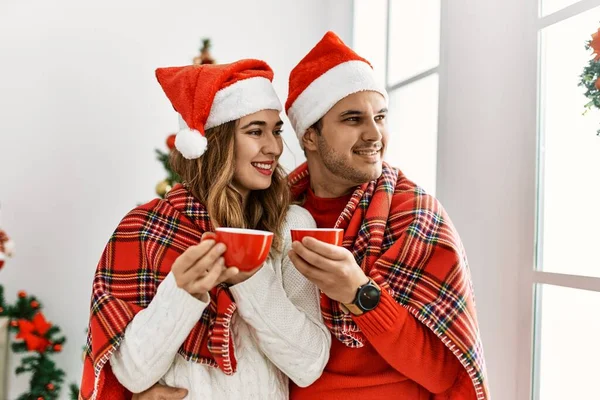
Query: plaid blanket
(404,240)
(136,259)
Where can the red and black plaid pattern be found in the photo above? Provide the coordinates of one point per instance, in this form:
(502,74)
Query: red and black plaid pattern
(403,239)
(136,259)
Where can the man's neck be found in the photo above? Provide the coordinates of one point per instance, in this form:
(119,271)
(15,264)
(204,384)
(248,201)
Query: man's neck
(329,190)
(326,185)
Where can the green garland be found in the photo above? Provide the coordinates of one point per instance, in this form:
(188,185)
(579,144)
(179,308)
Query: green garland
(40,339)
(590,77)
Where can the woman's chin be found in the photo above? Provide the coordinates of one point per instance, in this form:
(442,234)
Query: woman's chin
(261,184)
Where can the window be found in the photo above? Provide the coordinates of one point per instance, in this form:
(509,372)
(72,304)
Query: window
(567,271)
(401,39)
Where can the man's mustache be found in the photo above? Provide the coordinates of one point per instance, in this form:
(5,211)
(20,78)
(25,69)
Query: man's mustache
(371,147)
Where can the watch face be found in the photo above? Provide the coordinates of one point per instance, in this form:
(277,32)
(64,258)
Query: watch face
(369,297)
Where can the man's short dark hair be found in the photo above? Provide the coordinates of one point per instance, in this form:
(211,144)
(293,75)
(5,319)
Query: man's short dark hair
(318,126)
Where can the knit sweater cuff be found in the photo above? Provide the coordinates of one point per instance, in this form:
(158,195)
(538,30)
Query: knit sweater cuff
(388,315)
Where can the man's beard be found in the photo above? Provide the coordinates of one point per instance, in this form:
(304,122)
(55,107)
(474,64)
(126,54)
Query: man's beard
(340,167)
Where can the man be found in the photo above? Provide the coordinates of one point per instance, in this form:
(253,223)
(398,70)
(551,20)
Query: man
(397,297)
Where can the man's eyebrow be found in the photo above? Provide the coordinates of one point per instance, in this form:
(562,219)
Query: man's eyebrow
(350,112)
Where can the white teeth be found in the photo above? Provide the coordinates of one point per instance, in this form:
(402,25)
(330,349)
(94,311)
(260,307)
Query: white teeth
(367,153)
(263,166)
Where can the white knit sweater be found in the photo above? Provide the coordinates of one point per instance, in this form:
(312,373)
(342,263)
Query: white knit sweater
(278,332)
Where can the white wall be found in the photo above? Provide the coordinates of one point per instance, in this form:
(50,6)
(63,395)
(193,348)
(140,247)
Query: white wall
(81,114)
(486,167)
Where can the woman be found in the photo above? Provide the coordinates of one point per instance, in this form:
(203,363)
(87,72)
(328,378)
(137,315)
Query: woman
(166,308)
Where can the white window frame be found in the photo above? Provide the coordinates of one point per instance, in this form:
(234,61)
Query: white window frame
(529,327)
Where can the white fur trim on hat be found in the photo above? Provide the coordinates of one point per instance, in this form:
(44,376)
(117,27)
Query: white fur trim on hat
(242,98)
(190,143)
(325,91)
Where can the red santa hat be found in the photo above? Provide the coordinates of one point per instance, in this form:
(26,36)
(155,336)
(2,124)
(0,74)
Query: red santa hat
(327,74)
(210,95)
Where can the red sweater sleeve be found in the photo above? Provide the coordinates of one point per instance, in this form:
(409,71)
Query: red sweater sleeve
(409,346)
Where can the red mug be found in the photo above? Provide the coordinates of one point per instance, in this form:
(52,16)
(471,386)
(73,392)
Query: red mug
(247,249)
(328,235)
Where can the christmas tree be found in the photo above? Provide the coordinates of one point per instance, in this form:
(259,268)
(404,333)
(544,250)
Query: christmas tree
(34,336)
(163,187)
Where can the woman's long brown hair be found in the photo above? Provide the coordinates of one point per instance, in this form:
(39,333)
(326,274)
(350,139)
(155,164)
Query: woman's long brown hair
(209,178)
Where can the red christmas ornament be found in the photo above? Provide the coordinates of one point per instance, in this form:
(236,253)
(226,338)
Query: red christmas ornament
(171,142)
(40,398)
(57,347)
(14,323)
(22,294)
(1,309)
(50,387)
(34,304)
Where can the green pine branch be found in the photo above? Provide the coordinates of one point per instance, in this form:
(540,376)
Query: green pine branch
(172,176)
(74,391)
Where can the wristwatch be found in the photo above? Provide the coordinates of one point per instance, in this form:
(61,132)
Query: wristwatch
(367,298)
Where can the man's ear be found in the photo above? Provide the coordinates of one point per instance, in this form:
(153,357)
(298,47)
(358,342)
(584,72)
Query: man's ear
(309,140)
